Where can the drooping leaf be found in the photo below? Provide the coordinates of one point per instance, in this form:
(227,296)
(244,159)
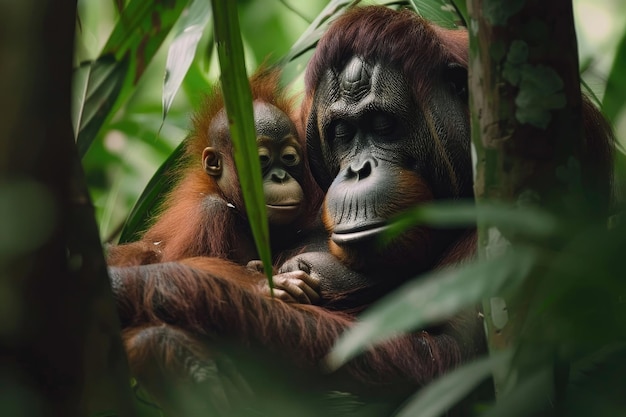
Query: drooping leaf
(238,102)
(461,8)
(530,394)
(183,49)
(589,92)
(595,386)
(309,38)
(443,393)
(135,39)
(527,221)
(96,86)
(150,198)
(141,28)
(441,12)
(432,298)
(613,103)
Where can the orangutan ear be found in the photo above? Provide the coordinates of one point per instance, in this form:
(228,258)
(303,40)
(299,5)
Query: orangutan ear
(212,162)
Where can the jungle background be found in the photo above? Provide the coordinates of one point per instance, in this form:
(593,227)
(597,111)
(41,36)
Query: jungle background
(135,82)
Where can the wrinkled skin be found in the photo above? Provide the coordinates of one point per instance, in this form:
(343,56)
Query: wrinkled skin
(379,152)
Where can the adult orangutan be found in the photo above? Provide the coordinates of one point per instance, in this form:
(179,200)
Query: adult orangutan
(387,128)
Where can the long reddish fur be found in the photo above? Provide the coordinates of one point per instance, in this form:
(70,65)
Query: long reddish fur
(214,298)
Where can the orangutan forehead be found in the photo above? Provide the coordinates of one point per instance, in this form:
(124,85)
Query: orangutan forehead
(363,81)
(368,32)
(271,121)
(355,80)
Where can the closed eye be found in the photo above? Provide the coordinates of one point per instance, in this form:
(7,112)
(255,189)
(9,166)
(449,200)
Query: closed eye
(342,130)
(383,124)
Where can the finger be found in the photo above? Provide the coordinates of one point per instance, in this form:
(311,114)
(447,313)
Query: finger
(311,280)
(311,294)
(255,265)
(283,295)
(300,291)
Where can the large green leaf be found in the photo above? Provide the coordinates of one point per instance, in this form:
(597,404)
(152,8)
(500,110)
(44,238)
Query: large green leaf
(441,12)
(444,392)
(316,29)
(613,103)
(461,9)
(141,29)
(432,298)
(96,86)
(183,49)
(149,200)
(138,34)
(238,102)
(528,221)
(530,395)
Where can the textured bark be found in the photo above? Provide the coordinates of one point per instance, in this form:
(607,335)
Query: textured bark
(60,348)
(527,125)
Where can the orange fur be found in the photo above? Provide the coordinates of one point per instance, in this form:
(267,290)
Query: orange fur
(187,225)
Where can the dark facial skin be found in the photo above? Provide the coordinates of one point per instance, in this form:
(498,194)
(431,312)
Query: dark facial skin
(281,161)
(282,164)
(379,153)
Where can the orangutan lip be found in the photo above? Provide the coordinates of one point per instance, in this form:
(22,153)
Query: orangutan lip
(358,233)
(283,207)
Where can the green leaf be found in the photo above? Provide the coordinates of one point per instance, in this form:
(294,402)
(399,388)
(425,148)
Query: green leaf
(441,12)
(158,186)
(96,86)
(431,298)
(335,8)
(135,39)
(527,221)
(141,28)
(238,102)
(596,383)
(530,394)
(613,103)
(183,49)
(461,9)
(590,93)
(443,393)
(312,34)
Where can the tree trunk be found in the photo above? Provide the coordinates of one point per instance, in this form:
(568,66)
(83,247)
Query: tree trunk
(59,333)
(527,127)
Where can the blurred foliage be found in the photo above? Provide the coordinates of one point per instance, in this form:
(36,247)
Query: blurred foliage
(577,312)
